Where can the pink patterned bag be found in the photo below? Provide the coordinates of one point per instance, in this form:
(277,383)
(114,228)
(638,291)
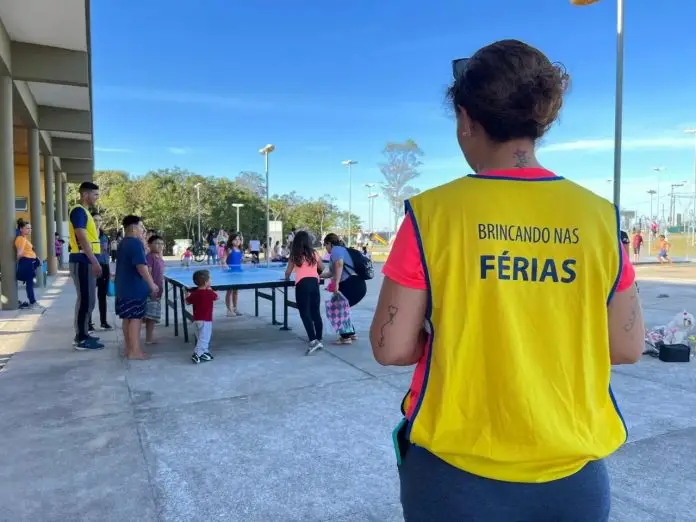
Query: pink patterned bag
(338,314)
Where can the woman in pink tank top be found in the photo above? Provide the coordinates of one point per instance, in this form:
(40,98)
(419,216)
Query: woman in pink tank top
(307,265)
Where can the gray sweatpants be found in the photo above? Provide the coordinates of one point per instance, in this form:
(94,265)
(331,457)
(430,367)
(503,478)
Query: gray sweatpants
(86,289)
(434,491)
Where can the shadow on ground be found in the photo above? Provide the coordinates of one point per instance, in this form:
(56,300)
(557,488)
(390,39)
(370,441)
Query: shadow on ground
(264,433)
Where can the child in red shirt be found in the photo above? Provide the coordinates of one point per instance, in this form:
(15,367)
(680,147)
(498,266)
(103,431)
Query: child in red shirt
(202,298)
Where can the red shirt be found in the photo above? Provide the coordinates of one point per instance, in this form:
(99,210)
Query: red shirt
(404,264)
(202,300)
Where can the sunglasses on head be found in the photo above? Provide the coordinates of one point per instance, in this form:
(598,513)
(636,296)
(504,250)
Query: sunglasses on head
(459,67)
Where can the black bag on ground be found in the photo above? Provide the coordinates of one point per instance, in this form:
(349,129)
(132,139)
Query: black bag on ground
(361,266)
(673,352)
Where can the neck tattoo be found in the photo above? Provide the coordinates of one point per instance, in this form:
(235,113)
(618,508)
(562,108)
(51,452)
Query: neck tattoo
(521,157)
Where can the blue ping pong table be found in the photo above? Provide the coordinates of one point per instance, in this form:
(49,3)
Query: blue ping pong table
(250,277)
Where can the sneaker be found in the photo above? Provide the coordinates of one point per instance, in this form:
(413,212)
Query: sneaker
(314,346)
(88,338)
(106,326)
(89,344)
(24,305)
(37,306)
(207,356)
(90,328)
(230,313)
(195,359)
(237,312)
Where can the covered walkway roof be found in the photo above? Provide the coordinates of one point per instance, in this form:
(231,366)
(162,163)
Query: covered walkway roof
(45,49)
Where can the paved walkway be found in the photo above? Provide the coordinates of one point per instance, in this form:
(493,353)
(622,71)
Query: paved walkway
(264,433)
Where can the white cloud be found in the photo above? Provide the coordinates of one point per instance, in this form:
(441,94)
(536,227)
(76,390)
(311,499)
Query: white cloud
(111,149)
(607,144)
(179,151)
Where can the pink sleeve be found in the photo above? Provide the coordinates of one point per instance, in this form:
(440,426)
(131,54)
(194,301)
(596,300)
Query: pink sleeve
(628,272)
(404,264)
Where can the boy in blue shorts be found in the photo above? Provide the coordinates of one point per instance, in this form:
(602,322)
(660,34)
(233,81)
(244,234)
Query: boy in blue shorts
(133,285)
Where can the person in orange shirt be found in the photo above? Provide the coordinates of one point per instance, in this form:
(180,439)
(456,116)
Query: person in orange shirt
(27,262)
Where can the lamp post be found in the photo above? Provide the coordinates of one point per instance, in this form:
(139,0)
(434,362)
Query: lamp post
(369,205)
(659,170)
(371,199)
(238,206)
(265,152)
(350,164)
(198,207)
(618,107)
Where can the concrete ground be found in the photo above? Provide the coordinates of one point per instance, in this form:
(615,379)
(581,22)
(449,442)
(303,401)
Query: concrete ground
(264,433)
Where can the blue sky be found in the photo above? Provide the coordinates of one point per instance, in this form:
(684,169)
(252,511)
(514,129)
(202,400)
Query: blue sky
(204,85)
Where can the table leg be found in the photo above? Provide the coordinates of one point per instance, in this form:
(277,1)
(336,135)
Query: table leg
(256,304)
(184,321)
(166,303)
(285,310)
(273,307)
(176,312)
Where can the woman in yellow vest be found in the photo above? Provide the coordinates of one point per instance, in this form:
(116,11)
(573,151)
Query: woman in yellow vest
(510,291)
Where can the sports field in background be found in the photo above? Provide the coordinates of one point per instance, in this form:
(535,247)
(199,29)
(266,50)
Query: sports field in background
(681,247)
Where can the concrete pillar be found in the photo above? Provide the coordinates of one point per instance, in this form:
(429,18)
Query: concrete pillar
(60,215)
(8,221)
(64,196)
(50,216)
(37,222)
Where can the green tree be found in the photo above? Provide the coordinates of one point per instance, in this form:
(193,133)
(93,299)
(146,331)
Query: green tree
(167,199)
(317,215)
(399,169)
(341,225)
(252,182)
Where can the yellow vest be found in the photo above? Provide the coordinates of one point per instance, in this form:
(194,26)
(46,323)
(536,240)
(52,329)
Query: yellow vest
(91,230)
(516,384)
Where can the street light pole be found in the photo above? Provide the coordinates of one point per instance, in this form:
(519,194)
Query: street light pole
(238,206)
(369,206)
(371,199)
(618,109)
(350,164)
(198,207)
(266,151)
(659,170)
(618,106)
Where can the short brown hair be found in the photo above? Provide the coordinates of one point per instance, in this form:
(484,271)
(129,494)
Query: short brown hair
(333,240)
(511,89)
(201,277)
